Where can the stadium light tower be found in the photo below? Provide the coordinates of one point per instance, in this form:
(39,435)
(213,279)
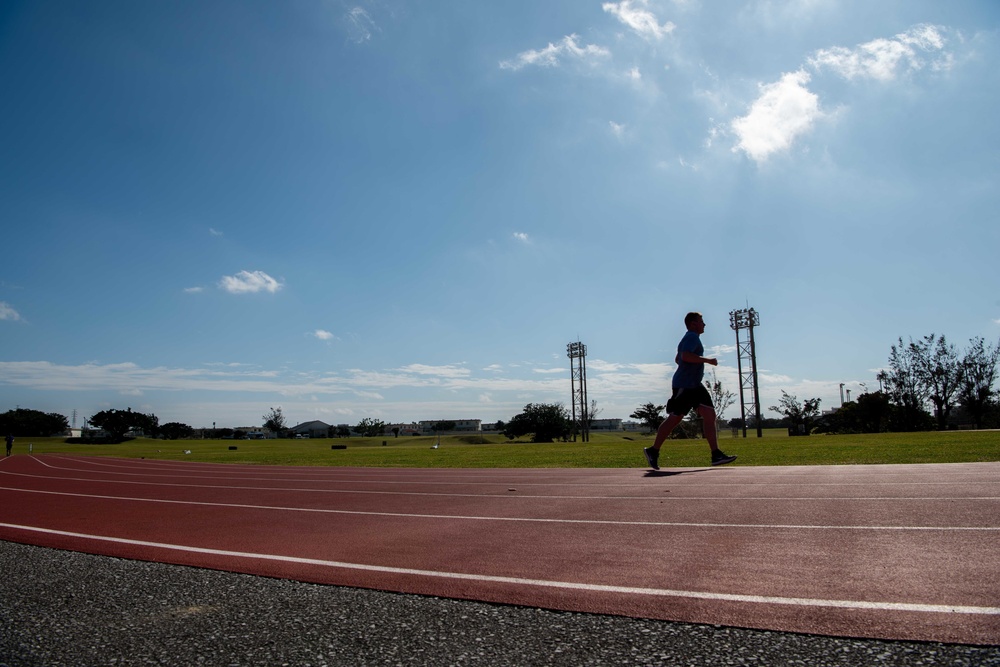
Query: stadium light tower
(577,353)
(746,363)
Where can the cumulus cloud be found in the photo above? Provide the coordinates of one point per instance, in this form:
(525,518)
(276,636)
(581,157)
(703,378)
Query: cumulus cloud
(639,19)
(521,236)
(249,282)
(7,312)
(783,111)
(323,335)
(883,59)
(550,56)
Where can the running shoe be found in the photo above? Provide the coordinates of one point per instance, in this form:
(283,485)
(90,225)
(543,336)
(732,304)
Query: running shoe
(720,458)
(652,456)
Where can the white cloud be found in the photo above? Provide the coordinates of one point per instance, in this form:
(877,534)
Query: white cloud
(7,312)
(323,335)
(882,59)
(448,371)
(214,232)
(616,129)
(550,55)
(360,25)
(642,21)
(522,237)
(248,282)
(784,110)
(193,290)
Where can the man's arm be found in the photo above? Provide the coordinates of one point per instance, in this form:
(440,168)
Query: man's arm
(692,358)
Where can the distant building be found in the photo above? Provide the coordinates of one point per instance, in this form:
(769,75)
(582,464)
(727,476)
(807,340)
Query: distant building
(461,425)
(313,429)
(412,428)
(606,425)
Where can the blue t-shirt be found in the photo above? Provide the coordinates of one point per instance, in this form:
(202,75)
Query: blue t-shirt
(689,375)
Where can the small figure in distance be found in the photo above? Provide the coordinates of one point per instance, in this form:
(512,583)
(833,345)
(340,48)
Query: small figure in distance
(10,443)
(688,393)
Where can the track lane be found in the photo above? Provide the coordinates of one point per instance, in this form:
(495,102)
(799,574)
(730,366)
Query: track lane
(846,577)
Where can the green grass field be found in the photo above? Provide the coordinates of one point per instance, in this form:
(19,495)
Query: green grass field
(603,451)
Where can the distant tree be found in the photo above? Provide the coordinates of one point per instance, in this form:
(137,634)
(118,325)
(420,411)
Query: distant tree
(649,415)
(868,414)
(343,431)
(873,412)
(274,420)
(905,387)
(800,416)
(116,423)
(721,398)
(444,426)
(395,431)
(592,413)
(979,374)
(370,428)
(500,425)
(546,422)
(940,370)
(28,423)
(175,430)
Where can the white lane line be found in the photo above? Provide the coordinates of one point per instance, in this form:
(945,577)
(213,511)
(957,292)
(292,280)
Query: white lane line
(523,483)
(543,583)
(504,494)
(508,494)
(460,517)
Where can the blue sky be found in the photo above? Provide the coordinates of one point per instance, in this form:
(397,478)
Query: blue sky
(407,210)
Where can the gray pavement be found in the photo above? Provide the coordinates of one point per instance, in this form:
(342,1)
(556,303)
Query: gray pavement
(63,608)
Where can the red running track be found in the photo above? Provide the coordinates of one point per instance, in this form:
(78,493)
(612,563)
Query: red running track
(895,552)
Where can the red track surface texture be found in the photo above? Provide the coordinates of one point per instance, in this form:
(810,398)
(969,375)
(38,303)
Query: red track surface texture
(903,552)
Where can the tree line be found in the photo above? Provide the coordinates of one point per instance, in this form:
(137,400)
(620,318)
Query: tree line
(925,382)
(928,372)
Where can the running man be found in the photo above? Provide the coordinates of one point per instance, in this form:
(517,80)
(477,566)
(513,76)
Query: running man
(689,393)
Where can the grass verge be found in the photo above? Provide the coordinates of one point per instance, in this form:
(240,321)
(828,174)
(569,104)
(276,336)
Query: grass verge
(603,451)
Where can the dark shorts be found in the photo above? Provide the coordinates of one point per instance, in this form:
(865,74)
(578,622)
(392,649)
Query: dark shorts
(686,399)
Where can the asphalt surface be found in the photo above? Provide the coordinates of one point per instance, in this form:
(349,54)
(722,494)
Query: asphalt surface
(64,608)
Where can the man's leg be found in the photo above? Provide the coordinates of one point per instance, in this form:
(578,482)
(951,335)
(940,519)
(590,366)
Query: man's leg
(708,418)
(666,426)
(708,425)
(653,452)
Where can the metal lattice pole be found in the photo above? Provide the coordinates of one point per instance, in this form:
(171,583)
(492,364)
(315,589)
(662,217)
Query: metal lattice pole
(577,353)
(746,364)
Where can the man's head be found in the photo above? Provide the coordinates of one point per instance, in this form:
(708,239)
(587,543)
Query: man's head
(695,322)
